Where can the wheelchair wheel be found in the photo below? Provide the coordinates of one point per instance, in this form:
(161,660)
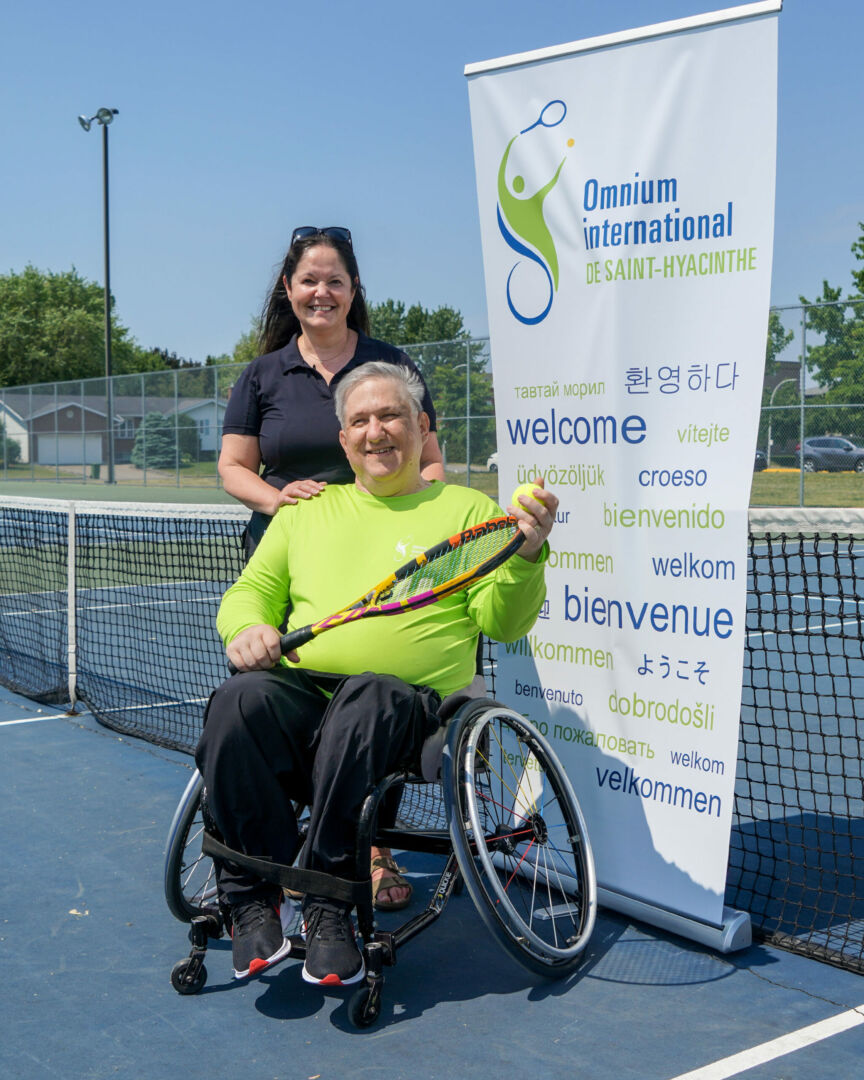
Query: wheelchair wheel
(190,877)
(519,837)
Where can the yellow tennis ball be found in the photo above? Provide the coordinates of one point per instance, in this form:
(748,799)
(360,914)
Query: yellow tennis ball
(523,489)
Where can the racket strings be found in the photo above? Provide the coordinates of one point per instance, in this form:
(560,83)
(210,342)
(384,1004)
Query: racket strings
(452,563)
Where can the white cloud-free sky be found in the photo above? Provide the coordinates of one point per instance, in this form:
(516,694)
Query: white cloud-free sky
(238,122)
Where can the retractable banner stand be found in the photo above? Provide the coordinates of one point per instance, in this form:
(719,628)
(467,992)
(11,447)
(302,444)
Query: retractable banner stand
(626,192)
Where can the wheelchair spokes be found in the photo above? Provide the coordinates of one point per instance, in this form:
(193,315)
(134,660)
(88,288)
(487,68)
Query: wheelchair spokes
(190,878)
(520,839)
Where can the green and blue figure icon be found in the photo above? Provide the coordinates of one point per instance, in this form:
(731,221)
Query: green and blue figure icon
(521,220)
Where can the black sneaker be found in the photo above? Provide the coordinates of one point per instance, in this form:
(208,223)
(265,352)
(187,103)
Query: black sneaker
(332,956)
(258,941)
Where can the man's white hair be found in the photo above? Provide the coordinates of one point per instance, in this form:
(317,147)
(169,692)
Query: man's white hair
(379,369)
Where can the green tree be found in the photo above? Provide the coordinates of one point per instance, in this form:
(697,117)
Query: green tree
(391,321)
(837,363)
(10,449)
(778,338)
(248,345)
(160,442)
(448,384)
(780,423)
(52,328)
(163,360)
(442,349)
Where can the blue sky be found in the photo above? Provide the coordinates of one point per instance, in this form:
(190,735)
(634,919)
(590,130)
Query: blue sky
(238,122)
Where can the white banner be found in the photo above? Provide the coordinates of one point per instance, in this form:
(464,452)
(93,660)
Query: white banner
(626,191)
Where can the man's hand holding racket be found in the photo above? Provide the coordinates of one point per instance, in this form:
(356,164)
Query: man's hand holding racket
(257,648)
(536,515)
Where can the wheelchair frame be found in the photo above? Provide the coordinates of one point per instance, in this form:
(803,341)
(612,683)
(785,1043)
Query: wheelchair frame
(512,830)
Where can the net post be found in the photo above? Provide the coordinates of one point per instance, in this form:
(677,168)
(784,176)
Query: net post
(71,590)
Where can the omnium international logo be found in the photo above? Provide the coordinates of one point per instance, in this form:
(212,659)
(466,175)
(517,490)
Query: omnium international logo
(521,220)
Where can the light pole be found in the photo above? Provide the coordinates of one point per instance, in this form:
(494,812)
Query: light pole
(770,417)
(104,117)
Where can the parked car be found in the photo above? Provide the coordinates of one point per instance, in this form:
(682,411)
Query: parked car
(831,453)
(492,462)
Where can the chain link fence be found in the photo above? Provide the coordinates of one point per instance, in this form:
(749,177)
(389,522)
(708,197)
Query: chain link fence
(164,428)
(810,445)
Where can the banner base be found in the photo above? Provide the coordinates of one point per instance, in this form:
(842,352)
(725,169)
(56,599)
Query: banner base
(733,934)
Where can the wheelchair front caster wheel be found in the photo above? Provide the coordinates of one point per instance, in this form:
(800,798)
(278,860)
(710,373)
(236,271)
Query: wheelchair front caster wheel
(364,1007)
(188,977)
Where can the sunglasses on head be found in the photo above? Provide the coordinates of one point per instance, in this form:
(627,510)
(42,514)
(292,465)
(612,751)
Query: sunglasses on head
(335,232)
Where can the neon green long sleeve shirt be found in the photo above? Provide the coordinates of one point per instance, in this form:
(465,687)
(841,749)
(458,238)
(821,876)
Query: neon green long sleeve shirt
(323,553)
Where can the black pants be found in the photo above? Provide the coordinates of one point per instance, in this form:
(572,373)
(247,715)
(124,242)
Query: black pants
(273,737)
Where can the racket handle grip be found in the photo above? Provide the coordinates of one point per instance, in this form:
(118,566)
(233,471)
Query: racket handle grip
(287,642)
(295,638)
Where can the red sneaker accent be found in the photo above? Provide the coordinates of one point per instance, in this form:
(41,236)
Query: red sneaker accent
(257,965)
(330,980)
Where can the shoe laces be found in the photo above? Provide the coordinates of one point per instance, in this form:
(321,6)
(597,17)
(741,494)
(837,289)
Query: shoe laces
(328,924)
(250,915)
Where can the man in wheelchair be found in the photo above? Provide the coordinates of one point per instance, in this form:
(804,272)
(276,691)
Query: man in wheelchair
(322,726)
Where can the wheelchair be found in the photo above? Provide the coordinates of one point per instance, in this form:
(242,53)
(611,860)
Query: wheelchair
(491,798)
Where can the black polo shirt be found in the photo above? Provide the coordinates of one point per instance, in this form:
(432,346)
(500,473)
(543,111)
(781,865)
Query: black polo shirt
(284,403)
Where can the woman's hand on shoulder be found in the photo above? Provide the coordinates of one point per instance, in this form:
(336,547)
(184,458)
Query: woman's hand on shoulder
(300,489)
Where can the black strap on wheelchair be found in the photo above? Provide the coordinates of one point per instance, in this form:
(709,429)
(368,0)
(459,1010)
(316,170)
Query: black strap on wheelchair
(312,882)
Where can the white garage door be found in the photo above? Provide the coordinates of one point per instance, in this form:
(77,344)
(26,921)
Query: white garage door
(69,449)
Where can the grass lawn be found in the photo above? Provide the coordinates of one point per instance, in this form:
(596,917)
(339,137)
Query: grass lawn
(781,487)
(771,487)
(481,480)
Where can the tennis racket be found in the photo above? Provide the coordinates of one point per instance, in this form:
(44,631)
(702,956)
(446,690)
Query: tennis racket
(444,569)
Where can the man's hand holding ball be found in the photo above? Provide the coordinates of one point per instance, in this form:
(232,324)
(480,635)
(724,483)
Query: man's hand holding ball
(535,507)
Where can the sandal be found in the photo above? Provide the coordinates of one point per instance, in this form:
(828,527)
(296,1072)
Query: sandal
(393,880)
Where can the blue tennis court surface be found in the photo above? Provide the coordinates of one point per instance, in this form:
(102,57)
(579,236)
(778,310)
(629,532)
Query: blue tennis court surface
(88,945)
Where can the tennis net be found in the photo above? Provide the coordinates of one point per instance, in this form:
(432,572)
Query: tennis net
(797,854)
(113,604)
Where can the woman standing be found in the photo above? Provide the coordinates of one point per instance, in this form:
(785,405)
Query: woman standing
(280,413)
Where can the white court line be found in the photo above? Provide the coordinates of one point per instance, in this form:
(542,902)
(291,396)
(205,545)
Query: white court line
(800,629)
(117,588)
(759,1055)
(842,600)
(155,705)
(33,719)
(122,607)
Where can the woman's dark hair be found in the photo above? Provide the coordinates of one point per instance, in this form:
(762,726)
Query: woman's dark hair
(278,321)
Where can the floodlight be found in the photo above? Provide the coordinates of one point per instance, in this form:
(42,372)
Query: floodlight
(104,117)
